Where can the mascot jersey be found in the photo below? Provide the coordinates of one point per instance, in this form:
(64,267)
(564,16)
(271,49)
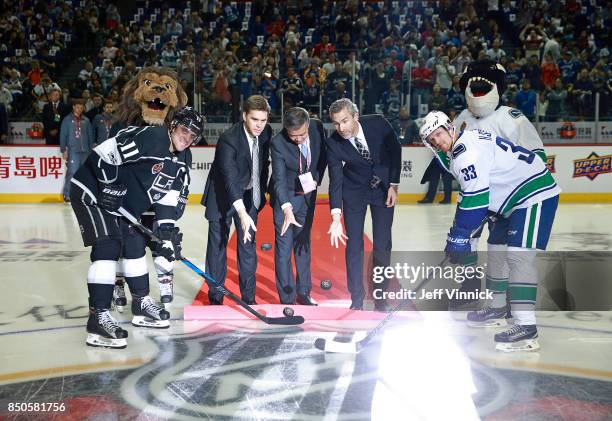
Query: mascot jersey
(505,122)
(482,84)
(140,159)
(496,175)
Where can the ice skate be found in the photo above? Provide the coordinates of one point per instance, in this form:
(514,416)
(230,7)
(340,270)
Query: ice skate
(103,330)
(148,314)
(488,317)
(519,338)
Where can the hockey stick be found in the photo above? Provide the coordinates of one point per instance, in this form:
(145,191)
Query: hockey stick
(292,320)
(356,347)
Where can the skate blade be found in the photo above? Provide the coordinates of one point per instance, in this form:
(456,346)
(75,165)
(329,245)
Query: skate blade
(490,323)
(119,308)
(167,306)
(143,321)
(528,345)
(99,341)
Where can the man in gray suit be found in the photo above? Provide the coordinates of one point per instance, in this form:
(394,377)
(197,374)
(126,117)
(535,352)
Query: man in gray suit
(76,140)
(298,164)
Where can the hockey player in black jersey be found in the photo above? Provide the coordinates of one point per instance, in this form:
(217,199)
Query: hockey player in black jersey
(167,211)
(137,168)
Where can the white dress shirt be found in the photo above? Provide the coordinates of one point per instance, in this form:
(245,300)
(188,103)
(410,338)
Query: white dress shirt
(239,204)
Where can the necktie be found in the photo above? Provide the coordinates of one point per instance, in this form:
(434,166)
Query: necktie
(362,150)
(304,156)
(255,174)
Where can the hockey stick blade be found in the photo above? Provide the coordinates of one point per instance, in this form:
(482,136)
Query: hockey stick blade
(286,321)
(293,320)
(356,347)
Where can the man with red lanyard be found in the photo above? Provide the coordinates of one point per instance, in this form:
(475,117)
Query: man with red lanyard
(298,163)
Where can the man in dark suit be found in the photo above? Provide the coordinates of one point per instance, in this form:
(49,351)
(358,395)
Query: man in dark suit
(370,175)
(235,191)
(298,165)
(52,115)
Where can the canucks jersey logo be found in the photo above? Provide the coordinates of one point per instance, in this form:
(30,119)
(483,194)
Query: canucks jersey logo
(514,113)
(592,166)
(550,163)
(155,169)
(459,149)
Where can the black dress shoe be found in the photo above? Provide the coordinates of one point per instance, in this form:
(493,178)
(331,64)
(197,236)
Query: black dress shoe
(250,302)
(305,300)
(425,201)
(356,306)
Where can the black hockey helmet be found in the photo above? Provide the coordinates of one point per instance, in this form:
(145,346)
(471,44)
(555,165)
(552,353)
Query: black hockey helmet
(190,119)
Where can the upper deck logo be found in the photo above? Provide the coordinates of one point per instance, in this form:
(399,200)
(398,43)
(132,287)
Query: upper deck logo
(592,166)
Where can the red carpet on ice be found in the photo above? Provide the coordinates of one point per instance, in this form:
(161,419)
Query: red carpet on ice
(327,263)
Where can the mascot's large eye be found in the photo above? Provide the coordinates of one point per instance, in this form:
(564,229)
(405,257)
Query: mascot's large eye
(147,82)
(168,86)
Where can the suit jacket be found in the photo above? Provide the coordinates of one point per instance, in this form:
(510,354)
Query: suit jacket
(230,173)
(348,181)
(49,121)
(285,182)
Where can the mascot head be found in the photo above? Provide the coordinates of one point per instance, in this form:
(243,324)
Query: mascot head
(483,82)
(151,97)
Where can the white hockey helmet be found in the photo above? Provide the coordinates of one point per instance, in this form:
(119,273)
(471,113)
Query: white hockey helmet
(431,122)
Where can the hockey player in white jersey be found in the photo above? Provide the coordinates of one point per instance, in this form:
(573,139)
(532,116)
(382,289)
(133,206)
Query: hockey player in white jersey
(496,176)
(483,83)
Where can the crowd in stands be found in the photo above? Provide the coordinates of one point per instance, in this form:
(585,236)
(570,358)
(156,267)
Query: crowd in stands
(386,54)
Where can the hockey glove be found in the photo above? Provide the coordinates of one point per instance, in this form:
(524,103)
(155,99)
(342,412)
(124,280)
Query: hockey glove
(458,244)
(170,247)
(111,196)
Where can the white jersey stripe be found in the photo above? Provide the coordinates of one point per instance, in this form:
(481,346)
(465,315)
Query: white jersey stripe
(526,227)
(127,147)
(536,227)
(132,153)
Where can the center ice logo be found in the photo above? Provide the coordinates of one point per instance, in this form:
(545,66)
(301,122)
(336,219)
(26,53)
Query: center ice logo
(209,377)
(592,166)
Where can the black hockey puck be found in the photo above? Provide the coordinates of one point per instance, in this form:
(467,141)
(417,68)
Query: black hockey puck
(320,344)
(326,284)
(266,246)
(288,311)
